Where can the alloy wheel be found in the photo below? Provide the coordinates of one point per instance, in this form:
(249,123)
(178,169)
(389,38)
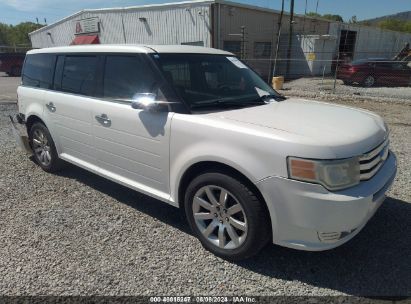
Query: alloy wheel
(41,147)
(369,81)
(220,217)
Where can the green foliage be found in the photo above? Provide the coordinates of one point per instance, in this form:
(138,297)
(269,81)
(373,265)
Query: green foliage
(17,35)
(333,17)
(314,15)
(395,25)
(326,16)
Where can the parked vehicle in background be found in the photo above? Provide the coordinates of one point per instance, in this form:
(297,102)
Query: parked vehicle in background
(378,71)
(197,128)
(11,63)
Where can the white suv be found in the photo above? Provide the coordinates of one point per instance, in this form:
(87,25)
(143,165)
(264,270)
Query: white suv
(197,128)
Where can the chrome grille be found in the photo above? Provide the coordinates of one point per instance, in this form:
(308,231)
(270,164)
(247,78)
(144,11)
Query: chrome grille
(372,161)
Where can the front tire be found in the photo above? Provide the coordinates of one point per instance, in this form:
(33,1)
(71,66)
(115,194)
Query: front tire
(226,216)
(44,149)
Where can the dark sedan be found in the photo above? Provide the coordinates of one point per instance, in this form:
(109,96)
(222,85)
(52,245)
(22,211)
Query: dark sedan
(370,72)
(11,63)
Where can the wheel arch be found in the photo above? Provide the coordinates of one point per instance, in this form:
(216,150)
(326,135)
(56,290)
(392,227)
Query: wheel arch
(31,120)
(214,166)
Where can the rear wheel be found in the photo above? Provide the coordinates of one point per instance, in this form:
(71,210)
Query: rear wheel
(369,81)
(43,147)
(226,216)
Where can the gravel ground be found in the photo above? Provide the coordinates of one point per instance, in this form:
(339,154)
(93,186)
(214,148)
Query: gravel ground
(75,233)
(314,87)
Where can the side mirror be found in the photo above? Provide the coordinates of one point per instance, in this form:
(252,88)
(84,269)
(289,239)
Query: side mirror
(144,101)
(147,102)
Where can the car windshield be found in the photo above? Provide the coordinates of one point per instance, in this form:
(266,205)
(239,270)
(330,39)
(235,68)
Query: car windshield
(204,80)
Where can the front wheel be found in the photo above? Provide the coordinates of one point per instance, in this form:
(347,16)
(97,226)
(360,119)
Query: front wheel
(226,216)
(43,147)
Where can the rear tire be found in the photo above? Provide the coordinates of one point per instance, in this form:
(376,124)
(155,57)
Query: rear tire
(226,216)
(44,149)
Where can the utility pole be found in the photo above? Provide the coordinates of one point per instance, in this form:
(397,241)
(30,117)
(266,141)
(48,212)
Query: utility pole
(290,37)
(280,22)
(243,42)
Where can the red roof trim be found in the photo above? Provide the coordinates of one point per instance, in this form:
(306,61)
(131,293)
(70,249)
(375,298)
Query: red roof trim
(86,39)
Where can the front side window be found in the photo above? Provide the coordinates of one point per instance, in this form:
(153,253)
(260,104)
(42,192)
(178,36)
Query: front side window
(79,75)
(202,79)
(126,76)
(38,70)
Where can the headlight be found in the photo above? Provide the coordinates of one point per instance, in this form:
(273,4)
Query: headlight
(332,174)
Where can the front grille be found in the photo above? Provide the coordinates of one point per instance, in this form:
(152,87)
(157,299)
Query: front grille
(372,161)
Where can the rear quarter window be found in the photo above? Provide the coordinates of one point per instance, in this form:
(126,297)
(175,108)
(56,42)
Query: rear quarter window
(38,70)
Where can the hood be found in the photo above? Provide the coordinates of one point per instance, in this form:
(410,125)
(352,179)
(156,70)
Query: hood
(347,131)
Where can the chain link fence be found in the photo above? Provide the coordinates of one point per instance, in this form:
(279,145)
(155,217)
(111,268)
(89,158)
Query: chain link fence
(377,74)
(373,77)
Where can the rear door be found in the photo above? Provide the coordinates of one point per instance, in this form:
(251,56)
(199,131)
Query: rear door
(132,146)
(68,107)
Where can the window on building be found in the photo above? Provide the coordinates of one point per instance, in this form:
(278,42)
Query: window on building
(233,47)
(262,49)
(38,70)
(125,76)
(79,75)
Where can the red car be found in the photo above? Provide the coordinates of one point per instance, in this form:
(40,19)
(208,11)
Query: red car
(11,63)
(370,72)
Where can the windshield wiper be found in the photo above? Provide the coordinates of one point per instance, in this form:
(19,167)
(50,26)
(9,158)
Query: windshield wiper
(226,103)
(266,98)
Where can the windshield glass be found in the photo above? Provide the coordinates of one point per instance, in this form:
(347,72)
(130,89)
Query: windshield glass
(202,79)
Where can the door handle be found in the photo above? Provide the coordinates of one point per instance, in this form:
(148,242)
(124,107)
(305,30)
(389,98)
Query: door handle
(103,119)
(51,107)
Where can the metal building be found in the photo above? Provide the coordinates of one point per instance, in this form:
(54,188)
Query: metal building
(248,31)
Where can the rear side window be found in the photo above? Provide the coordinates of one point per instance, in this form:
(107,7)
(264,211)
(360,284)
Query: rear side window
(79,75)
(125,76)
(38,70)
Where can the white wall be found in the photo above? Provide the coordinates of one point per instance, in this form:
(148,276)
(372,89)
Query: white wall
(172,24)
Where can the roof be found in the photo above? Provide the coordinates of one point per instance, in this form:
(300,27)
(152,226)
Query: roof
(170,5)
(130,48)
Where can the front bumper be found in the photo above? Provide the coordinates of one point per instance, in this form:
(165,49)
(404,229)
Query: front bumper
(308,217)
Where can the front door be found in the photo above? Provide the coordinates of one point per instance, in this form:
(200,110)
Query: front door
(132,146)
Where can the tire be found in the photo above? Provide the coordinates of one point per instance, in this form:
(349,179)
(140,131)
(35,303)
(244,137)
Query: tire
(44,149)
(15,71)
(218,221)
(368,81)
(347,82)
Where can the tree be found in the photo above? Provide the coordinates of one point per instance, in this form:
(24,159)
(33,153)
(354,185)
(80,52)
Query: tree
(314,15)
(395,25)
(326,16)
(333,17)
(15,35)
